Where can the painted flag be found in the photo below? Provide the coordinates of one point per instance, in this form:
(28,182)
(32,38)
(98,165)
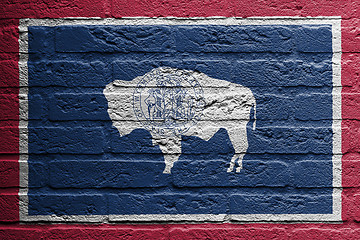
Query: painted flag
(172,120)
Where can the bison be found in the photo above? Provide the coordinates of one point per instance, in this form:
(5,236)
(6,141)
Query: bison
(171,103)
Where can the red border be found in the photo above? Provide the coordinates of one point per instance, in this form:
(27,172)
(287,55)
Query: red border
(9,170)
(9,121)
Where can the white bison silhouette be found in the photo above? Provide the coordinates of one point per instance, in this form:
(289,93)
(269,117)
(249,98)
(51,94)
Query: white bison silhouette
(170,102)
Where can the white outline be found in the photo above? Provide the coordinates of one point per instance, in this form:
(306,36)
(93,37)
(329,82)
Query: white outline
(335,22)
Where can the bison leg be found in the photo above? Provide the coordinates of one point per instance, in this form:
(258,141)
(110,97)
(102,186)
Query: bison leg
(171,148)
(232,163)
(238,156)
(240,162)
(238,138)
(170,159)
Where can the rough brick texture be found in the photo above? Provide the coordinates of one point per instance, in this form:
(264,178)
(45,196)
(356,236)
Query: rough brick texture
(71,138)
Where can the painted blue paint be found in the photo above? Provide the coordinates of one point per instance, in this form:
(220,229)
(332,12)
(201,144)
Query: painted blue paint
(78,163)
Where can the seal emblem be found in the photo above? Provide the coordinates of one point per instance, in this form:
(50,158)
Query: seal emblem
(168,101)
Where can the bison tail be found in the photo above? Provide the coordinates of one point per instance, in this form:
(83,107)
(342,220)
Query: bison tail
(254,123)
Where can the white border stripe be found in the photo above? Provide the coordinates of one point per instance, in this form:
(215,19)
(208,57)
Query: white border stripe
(23,124)
(336,126)
(335,22)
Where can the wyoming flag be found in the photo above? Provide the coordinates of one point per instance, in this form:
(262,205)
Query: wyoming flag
(168,119)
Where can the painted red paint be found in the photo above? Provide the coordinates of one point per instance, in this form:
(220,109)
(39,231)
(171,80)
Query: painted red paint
(229,8)
(350,207)
(302,8)
(9,121)
(351,104)
(8,36)
(9,205)
(9,172)
(351,132)
(53,9)
(182,8)
(350,34)
(181,231)
(350,173)
(19,232)
(9,77)
(350,75)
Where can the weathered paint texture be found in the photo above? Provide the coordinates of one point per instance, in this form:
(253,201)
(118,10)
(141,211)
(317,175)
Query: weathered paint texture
(175,137)
(76,156)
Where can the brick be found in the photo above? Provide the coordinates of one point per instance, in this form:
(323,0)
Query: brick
(9,90)
(314,174)
(314,39)
(41,40)
(350,105)
(183,8)
(83,232)
(13,56)
(114,174)
(280,204)
(350,170)
(230,232)
(52,9)
(345,9)
(9,205)
(214,174)
(9,35)
(68,74)
(302,8)
(9,107)
(38,174)
(37,107)
(354,234)
(350,210)
(214,68)
(350,72)
(10,73)
(284,73)
(9,173)
(350,31)
(282,139)
(233,39)
(15,233)
(351,205)
(76,204)
(114,39)
(350,136)
(274,107)
(107,233)
(168,203)
(322,233)
(63,106)
(128,69)
(9,143)
(80,140)
(313,107)
(207,8)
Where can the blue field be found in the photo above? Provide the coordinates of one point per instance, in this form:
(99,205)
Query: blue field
(79,164)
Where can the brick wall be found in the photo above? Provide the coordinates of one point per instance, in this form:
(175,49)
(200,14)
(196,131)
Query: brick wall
(71,135)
